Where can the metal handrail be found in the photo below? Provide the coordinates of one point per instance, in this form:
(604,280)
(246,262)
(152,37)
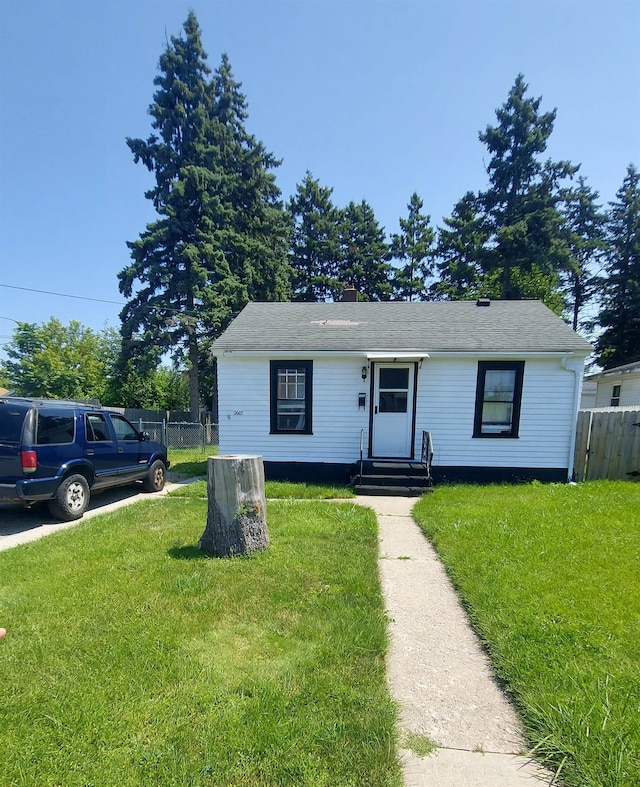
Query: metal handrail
(426,457)
(361,450)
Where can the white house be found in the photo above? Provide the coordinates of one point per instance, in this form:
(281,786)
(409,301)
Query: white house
(309,385)
(617,387)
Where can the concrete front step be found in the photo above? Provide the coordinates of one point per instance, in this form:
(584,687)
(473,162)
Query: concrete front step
(378,466)
(386,491)
(393,480)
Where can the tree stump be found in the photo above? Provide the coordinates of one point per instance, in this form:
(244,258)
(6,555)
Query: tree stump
(237,509)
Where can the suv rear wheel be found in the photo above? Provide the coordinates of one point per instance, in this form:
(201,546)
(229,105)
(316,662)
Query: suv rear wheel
(71,500)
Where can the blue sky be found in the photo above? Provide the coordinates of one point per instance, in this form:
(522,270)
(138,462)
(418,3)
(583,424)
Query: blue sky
(377,98)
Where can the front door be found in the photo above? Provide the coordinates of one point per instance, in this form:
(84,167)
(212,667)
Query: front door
(393,410)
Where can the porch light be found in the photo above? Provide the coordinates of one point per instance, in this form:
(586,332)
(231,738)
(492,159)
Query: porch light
(364,372)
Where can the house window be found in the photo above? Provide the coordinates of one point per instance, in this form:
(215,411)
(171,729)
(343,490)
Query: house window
(615,395)
(498,395)
(291,389)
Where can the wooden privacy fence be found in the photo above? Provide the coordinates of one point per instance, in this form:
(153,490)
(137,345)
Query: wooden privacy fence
(608,444)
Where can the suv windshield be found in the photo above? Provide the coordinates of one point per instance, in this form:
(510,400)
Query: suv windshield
(11,420)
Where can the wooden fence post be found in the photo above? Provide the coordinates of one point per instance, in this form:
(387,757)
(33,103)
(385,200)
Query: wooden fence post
(237,509)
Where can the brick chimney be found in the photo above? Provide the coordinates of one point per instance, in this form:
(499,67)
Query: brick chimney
(350,294)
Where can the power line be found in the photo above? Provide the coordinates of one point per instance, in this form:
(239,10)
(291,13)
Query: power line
(87,298)
(63,294)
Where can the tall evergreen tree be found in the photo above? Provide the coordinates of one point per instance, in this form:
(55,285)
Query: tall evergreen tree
(258,230)
(365,254)
(413,248)
(221,233)
(315,243)
(527,248)
(460,252)
(586,227)
(619,342)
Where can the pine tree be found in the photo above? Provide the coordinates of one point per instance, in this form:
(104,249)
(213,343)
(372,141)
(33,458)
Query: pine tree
(258,234)
(221,233)
(619,342)
(527,248)
(413,248)
(586,227)
(365,254)
(315,243)
(460,253)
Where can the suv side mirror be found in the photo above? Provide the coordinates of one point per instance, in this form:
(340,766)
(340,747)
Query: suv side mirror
(144,437)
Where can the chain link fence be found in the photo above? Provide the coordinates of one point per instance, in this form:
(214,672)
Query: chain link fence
(182,434)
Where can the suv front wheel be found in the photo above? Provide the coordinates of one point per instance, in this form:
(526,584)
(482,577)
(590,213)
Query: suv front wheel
(71,500)
(154,482)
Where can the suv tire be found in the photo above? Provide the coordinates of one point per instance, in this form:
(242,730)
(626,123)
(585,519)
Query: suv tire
(156,477)
(71,500)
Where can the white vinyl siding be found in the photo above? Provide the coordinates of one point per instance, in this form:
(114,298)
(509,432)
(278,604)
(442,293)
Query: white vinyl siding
(629,390)
(446,402)
(446,394)
(244,411)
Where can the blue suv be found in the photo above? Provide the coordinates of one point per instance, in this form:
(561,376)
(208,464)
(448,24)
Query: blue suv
(62,452)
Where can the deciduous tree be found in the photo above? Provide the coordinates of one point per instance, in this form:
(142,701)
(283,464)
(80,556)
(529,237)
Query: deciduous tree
(60,361)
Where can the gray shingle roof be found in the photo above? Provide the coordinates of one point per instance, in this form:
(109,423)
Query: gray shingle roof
(452,326)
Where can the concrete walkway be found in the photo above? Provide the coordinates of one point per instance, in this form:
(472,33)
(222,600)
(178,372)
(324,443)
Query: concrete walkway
(21,526)
(438,672)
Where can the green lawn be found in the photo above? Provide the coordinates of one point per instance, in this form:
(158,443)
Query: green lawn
(131,659)
(277,490)
(190,463)
(550,575)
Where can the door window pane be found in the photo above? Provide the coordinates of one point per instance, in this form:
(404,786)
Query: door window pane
(393,402)
(394,378)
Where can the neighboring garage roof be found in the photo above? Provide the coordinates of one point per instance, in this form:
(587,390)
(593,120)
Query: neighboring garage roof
(451,326)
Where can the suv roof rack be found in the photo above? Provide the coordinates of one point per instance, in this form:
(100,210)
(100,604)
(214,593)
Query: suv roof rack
(39,400)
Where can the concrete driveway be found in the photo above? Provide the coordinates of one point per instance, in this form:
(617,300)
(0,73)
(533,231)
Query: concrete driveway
(19,525)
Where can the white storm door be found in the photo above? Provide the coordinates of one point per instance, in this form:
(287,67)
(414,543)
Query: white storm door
(392,410)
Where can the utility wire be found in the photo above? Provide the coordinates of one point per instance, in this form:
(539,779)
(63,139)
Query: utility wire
(62,294)
(87,298)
